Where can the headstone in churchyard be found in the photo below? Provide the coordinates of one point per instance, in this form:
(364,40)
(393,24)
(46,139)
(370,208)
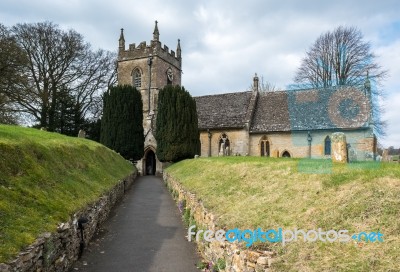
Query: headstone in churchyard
(339,147)
(81,134)
(221,151)
(385,155)
(352,154)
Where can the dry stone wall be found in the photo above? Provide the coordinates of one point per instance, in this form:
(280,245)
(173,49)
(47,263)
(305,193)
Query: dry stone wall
(232,256)
(59,250)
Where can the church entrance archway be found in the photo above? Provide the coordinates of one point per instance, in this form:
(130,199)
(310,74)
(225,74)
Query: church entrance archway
(150,163)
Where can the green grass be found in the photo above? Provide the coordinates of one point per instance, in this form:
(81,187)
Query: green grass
(253,192)
(46,177)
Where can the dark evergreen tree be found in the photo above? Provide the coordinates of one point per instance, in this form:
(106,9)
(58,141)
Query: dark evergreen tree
(122,122)
(67,115)
(92,129)
(177,132)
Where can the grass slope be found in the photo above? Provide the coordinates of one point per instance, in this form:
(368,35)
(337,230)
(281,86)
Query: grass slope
(44,178)
(253,192)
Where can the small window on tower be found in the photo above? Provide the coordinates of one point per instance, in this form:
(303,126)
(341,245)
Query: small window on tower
(137,78)
(170,76)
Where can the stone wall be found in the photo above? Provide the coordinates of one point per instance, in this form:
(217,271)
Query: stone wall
(297,145)
(238,139)
(279,143)
(59,250)
(234,256)
(360,141)
(159,69)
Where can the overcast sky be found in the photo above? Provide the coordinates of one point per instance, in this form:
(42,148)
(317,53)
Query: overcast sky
(225,42)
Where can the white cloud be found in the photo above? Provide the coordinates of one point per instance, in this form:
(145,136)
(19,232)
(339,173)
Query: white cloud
(392,115)
(389,58)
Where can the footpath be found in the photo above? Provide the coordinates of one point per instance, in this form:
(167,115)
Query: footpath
(144,233)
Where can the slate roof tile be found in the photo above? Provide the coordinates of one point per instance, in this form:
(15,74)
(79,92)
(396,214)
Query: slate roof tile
(333,108)
(223,110)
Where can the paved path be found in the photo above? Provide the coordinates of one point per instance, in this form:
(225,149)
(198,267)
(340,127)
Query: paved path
(144,233)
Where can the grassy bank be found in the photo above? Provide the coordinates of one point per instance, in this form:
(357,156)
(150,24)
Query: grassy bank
(268,193)
(44,178)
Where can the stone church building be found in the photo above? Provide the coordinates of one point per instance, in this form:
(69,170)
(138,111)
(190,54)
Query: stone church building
(291,123)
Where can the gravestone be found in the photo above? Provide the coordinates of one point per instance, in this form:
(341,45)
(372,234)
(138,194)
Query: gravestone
(221,151)
(352,154)
(385,155)
(81,134)
(240,146)
(339,147)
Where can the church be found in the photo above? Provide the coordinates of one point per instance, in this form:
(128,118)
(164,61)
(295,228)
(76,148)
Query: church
(290,123)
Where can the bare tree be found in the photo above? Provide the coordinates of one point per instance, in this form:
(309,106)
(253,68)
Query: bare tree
(97,74)
(12,60)
(60,66)
(342,57)
(7,114)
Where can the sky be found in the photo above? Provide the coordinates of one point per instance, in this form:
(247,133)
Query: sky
(224,43)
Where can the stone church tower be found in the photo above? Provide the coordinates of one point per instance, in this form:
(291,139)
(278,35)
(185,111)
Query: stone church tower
(149,68)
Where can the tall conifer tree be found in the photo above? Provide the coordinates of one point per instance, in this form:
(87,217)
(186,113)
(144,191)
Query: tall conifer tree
(122,122)
(177,131)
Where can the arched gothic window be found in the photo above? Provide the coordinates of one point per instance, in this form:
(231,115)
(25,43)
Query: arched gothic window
(327,146)
(264,147)
(137,78)
(224,145)
(170,76)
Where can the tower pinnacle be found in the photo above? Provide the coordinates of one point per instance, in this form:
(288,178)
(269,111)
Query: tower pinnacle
(178,49)
(156,33)
(121,40)
(255,83)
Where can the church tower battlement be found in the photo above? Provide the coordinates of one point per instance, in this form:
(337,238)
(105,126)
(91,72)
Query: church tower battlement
(134,68)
